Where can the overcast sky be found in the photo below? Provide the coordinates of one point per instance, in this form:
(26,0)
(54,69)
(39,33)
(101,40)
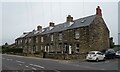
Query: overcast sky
(19,17)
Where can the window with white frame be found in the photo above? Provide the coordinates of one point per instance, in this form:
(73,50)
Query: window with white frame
(41,39)
(36,48)
(36,39)
(52,37)
(77,48)
(15,41)
(29,40)
(41,47)
(77,35)
(21,41)
(25,40)
(60,36)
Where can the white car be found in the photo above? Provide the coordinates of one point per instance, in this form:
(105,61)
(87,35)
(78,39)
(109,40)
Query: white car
(118,54)
(95,55)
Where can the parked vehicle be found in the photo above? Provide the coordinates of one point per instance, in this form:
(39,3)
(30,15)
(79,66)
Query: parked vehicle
(117,54)
(95,55)
(110,54)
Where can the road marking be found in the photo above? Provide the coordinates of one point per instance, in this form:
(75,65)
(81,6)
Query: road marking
(20,64)
(56,70)
(39,66)
(9,59)
(30,57)
(34,68)
(26,66)
(31,64)
(19,61)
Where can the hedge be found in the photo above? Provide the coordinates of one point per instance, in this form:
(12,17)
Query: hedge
(12,50)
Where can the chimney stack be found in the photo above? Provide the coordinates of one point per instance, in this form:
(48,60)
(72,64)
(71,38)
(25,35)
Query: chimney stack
(51,24)
(69,18)
(98,11)
(39,28)
(24,33)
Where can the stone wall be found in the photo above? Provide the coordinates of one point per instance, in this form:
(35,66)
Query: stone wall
(98,34)
(66,56)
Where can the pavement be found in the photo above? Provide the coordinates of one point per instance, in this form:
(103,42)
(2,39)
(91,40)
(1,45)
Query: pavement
(14,62)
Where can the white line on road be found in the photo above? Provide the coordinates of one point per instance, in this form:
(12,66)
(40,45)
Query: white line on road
(37,66)
(26,66)
(56,70)
(31,64)
(9,59)
(20,64)
(19,61)
(34,68)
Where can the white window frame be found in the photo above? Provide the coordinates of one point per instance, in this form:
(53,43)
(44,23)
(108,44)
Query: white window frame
(77,34)
(52,37)
(29,40)
(77,48)
(25,40)
(60,36)
(41,39)
(36,39)
(36,49)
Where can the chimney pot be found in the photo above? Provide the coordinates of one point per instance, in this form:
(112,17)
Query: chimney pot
(24,33)
(69,18)
(98,11)
(39,28)
(51,24)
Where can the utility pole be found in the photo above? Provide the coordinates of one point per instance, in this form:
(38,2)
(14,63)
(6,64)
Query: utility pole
(118,38)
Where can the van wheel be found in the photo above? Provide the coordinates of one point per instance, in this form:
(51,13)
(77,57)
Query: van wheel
(97,60)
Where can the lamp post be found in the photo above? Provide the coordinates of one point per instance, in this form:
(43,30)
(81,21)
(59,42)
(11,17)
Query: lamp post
(118,38)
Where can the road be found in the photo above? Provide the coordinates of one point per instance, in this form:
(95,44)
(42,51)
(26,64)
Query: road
(14,62)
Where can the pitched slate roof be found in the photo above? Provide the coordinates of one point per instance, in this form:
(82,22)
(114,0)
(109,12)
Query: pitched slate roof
(83,22)
(23,35)
(86,21)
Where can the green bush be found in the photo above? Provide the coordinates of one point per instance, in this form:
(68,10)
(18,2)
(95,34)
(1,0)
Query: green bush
(12,50)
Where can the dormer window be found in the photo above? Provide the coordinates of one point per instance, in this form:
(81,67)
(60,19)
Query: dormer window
(50,28)
(43,30)
(36,32)
(83,20)
(71,23)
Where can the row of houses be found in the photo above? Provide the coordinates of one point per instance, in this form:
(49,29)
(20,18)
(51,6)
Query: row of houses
(72,36)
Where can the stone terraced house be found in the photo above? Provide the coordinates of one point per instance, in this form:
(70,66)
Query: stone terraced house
(71,37)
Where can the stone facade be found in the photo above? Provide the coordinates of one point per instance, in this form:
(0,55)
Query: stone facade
(75,37)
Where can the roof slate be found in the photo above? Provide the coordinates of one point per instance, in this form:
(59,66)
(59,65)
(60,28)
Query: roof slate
(77,23)
(86,21)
